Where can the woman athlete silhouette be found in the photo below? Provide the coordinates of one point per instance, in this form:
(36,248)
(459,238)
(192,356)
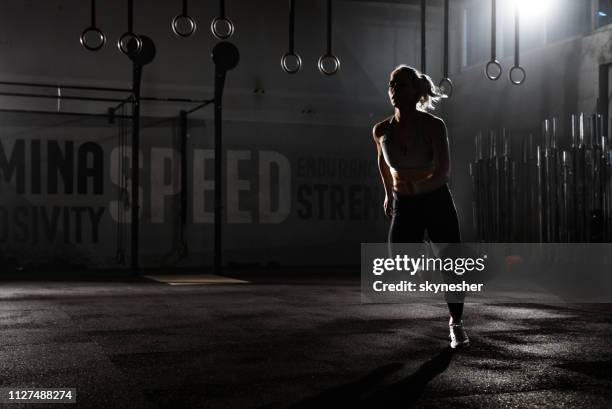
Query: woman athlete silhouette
(414,164)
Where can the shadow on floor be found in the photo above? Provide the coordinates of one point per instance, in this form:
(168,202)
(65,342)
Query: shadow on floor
(367,392)
(599,370)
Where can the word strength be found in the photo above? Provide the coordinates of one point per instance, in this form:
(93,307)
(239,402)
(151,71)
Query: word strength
(408,286)
(412,265)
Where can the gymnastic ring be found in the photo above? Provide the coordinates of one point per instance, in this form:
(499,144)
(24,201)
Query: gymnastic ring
(443,81)
(97,31)
(127,38)
(496,64)
(217,33)
(333,59)
(286,66)
(517,68)
(190,22)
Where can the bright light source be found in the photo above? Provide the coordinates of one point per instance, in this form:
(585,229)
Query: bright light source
(532,8)
(602,14)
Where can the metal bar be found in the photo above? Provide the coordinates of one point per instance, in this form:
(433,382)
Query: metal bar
(183,196)
(514,207)
(482,190)
(565,209)
(485,189)
(540,202)
(474,179)
(532,178)
(604,176)
(526,182)
(496,187)
(579,159)
(598,231)
(218,250)
(59,99)
(556,164)
(122,103)
(603,98)
(200,106)
(189,100)
(65,113)
(66,97)
(490,186)
(203,104)
(65,86)
(103,89)
(474,175)
(608,190)
(506,177)
(522,190)
(547,182)
(593,170)
(135,185)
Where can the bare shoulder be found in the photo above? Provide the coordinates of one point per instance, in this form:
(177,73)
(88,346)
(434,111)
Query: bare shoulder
(434,124)
(432,120)
(381,128)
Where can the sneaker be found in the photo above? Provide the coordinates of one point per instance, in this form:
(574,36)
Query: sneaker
(459,338)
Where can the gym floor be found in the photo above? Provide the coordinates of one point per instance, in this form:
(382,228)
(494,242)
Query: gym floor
(305,341)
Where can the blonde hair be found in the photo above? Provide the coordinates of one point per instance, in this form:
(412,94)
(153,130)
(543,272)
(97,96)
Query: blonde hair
(429,93)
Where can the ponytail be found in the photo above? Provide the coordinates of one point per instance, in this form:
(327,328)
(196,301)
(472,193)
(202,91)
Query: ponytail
(430,94)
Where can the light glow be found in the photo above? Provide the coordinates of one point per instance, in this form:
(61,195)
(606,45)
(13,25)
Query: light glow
(532,8)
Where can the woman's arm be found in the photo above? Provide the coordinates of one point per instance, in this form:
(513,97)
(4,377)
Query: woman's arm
(383,168)
(441,160)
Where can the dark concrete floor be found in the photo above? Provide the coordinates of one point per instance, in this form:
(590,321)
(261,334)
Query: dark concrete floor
(302,343)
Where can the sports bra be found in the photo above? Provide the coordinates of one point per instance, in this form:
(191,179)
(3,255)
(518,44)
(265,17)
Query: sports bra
(417,154)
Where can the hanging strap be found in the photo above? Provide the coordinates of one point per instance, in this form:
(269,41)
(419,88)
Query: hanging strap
(130,13)
(93,13)
(493,30)
(493,63)
(291,25)
(219,20)
(423,29)
(517,74)
(446,17)
(329,56)
(291,61)
(516,36)
(446,84)
(329,27)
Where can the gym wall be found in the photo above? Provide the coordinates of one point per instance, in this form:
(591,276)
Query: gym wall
(301,178)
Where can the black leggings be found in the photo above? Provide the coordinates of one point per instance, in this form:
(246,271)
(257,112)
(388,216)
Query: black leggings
(433,211)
